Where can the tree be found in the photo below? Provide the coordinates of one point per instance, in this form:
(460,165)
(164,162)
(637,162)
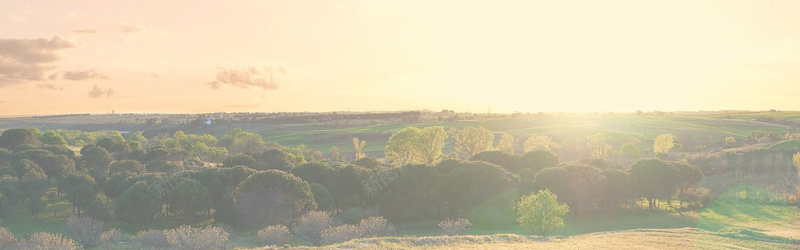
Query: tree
(358,146)
(730,140)
(139,204)
(311,225)
(541,213)
(127,165)
(188,198)
(53,138)
(272,197)
(95,157)
(430,144)
(240,160)
(662,144)
(796,161)
(401,146)
(336,155)
(239,141)
(630,151)
(688,177)
(538,160)
(509,162)
(36,205)
(506,144)
(322,196)
(539,142)
(598,146)
(472,140)
(14,137)
(137,136)
(654,179)
(274,159)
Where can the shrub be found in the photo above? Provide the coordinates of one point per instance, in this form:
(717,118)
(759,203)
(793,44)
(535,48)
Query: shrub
(352,215)
(276,235)
(452,228)
(703,196)
(7,240)
(45,240)
(97,210)
(186,237)
(155,239)
(342,233)
(311,224)
(376,226)
(541,212)
(112,236)
(86,230)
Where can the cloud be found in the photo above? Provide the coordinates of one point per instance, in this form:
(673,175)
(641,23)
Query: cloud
(29,59)
(129,29)
(84,75)
(244,77)
(17,19)
(86,31)
(97,92)
(71,15)
(49,86)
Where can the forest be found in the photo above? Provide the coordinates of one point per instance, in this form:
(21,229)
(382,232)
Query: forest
(112,188)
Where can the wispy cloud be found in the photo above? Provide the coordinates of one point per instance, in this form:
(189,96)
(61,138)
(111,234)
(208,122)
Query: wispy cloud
(29,59)
(49,86)
(98,92)
(245,77)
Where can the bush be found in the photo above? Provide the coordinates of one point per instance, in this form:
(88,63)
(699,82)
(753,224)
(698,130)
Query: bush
(541,212)
(7,240)
(376,226)
(452,228)
(155,239)
(45,240)
(342,233)
(110,237)
(353,215)
(97,210)
(311,224)
(703,196)
(86,230)
(276,235)
(186,237)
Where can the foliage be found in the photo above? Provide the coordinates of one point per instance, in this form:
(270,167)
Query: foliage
(188,198)
(539,142)
(7,239)
(139,204)
(537,160)
(187,237)
(541,213)
(85,229)
(36,205)
(275,235)
(452,228)
(598,146)
(358,147)
(322,196)
(45,240)
(274,159)
(155,239)
(654,179)
(506,144)
(272,197)
(110,237)
(309,227)
(352,215)
(663,143)
(343,233)
(127,165)
(14,137)
(376,226)
(470,141)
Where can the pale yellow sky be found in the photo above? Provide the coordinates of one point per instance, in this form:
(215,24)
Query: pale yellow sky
(264,56)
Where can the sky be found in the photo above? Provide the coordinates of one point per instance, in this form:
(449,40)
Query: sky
(64,57)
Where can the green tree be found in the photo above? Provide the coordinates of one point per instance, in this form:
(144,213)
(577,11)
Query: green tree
(239,141)
(53,138)
(358,147)
(274,159)
(539,142)
(470,141)
(14,137)
(662,144)
(95,157)
(336,155)
(430,144)
(81,190)
(401,146)
(139,204)
(598,146)
(541,212)
(654,179)
(506,144)
(689,176)
(189,198)
(36,205)
(127,165)
(630,151)
(272,197)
